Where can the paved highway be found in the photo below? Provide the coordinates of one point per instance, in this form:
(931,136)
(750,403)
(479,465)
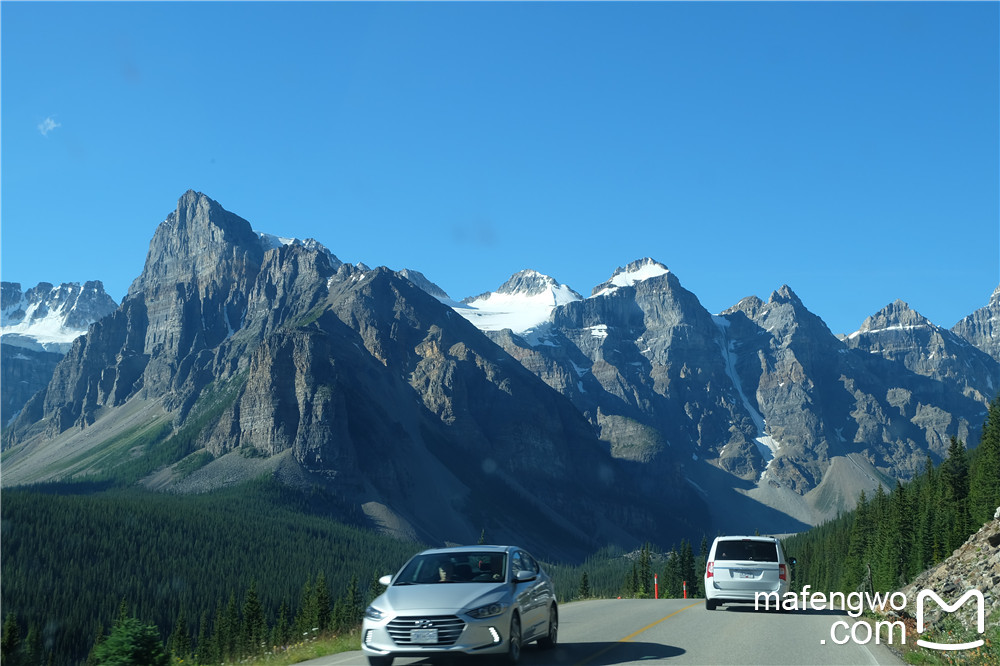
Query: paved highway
(680,631)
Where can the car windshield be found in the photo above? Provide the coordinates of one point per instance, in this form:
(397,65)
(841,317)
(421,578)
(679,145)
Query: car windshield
(460,567)
(756,551)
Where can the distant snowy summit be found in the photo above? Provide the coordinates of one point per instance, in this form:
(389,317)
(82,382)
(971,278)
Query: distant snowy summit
(49,318)
(522,303)
(525,302)
(637,271)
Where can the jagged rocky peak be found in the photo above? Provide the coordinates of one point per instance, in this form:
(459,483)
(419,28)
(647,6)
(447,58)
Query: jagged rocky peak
(198,240)
(895,315)
(272,242)
(419,279)
(626,276)
(751,306)
(50,317)
(785,295)
(783,314)
(528,282)
(982,327)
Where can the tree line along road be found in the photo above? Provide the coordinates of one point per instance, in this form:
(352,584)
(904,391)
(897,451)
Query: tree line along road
(605,632)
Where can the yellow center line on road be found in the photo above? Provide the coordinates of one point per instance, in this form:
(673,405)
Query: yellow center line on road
(631,636)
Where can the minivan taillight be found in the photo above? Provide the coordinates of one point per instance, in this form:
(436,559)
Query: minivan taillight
(710,571)
(782,572)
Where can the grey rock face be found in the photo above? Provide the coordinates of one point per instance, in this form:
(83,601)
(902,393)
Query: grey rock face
(24,373)
(902,335)
(419,279)
(982,327)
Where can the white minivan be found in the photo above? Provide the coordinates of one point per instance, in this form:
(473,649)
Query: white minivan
(740,567)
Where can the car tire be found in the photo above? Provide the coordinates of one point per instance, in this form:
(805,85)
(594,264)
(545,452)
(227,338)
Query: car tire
(514,640)
(379,661)
(709,604)
(549,641)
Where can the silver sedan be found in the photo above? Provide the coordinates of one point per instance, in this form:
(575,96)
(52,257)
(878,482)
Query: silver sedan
(471,600)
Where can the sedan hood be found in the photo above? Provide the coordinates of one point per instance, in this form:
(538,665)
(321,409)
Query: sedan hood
(445,597)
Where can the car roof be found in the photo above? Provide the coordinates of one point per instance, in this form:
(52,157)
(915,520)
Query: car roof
(755,537)
(468,549)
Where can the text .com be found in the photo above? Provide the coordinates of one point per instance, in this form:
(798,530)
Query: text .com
(884,631)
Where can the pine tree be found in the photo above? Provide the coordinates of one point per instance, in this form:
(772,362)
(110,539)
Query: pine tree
(890,548)
(308,615)
(955,497)
(583,591)
(353,605)
(631,582)
(323,608)
(204,652)
(254,629)
(922,552)
(98,639)
(984,477)
(375,588)
(687,570)
(10,643)
(672,575)
(858,545)
(180,640)
(281,635)
(131,642)
(122,613)
(34,648)
(645,572)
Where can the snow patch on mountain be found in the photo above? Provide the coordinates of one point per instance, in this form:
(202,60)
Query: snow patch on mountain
(522,304)
(627,276)
(766,445)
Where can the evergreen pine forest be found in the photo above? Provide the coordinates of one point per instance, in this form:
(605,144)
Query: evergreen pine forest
(221,577)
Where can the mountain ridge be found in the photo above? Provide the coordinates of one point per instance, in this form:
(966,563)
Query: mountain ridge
(615,405)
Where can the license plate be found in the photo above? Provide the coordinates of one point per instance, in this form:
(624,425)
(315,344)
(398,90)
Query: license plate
(744,573)
(423,635)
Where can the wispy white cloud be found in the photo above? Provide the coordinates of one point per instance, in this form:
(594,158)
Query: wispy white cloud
(48,125)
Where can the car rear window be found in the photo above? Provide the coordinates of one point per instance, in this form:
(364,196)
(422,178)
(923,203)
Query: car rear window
(757,551)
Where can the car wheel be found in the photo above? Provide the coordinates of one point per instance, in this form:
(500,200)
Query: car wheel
(709,604)
(549,641)
(514,640)
(379,661)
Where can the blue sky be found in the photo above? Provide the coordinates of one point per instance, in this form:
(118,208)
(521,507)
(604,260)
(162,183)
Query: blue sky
(849,150)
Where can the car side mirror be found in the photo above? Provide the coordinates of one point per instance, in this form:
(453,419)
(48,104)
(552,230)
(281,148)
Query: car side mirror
(385,580)
(524,577)
(791,560)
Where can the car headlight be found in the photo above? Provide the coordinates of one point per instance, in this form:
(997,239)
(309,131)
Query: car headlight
(373,613)
(487,611)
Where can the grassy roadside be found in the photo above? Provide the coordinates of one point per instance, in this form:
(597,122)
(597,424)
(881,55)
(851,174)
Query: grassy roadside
(309,648)
(951,631)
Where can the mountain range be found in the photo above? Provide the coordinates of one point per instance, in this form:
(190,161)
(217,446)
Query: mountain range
(37,327)
(547,418)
